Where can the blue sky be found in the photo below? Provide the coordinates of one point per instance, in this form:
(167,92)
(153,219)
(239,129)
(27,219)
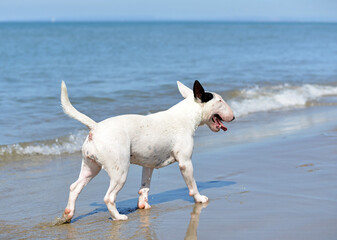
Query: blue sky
(96,10)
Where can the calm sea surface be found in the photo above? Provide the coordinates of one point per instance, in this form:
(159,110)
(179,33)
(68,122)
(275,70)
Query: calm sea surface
(118,68)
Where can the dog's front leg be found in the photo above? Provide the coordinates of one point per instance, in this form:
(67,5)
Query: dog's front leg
(145,188)
(186,169)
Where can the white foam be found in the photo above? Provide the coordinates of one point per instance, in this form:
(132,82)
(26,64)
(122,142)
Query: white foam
(261,99)
(69,144)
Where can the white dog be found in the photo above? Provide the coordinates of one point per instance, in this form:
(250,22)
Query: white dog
(152,141)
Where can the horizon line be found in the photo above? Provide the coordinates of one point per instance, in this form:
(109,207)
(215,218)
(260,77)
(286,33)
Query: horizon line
(53,20)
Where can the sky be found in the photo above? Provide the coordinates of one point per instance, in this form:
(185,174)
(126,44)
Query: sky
(168,10)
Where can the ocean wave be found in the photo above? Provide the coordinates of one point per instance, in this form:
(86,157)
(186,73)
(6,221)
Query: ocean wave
(286,96)
(64,145)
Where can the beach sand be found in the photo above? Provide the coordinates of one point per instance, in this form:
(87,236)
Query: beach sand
(280,185)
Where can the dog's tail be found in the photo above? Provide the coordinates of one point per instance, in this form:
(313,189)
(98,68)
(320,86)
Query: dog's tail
(71,111)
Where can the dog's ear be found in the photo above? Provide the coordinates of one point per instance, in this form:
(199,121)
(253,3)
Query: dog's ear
(184,91)
(198,90)
(200,94)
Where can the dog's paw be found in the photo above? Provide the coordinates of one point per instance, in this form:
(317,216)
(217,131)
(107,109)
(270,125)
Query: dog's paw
(68,215)
(200,199)
(60,221)
(143,202)
(143,205)
(121,217)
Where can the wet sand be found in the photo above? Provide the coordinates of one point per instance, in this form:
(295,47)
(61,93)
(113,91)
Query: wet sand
(280,186)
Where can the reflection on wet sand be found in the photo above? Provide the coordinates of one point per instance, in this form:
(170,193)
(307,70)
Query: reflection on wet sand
(146,229)
(141,228)
(117,229)
(144,226)
(191,232)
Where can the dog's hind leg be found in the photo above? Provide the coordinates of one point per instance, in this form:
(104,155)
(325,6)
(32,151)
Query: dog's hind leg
(110,199)
(116,184)
(117,169)
(89,170)
(145,188)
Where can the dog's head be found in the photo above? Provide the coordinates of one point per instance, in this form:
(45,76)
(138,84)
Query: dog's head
(215,110)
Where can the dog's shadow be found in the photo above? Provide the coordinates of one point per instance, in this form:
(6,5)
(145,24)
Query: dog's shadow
(130,205)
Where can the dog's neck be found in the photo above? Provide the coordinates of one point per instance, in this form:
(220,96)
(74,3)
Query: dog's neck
(189,113)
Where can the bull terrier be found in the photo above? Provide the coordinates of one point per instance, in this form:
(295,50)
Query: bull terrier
(151,141)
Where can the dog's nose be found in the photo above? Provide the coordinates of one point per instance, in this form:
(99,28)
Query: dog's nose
(233,118)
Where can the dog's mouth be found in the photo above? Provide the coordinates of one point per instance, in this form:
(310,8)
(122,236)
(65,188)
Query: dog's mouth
(217,120)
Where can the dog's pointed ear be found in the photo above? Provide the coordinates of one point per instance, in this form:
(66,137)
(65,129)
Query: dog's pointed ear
(198,90)
(184,91)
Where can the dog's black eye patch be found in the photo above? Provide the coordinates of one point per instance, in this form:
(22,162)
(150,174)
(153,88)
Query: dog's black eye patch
(206,97)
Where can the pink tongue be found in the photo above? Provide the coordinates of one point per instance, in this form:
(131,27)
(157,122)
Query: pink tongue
(221,125)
